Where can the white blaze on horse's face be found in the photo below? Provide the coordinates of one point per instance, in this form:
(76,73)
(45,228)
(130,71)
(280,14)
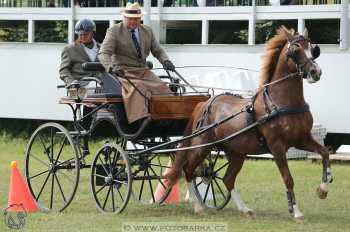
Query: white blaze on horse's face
(314,71)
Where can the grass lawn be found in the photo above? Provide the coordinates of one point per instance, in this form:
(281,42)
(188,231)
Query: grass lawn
(259,183)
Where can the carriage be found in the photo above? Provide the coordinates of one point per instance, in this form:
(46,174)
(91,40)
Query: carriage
(133,158)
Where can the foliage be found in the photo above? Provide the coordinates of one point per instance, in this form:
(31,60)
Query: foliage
(51,31)
(265,30)
(13,31)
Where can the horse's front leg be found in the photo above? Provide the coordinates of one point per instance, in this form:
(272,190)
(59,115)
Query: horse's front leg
(281,161)
(311,145)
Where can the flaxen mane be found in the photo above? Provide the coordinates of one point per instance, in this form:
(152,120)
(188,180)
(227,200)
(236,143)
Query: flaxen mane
(273,49)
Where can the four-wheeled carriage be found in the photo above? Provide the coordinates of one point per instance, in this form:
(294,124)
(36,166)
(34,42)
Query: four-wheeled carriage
(130,165)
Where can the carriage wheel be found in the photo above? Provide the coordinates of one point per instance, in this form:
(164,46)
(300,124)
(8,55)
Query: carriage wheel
(111,179)
(208,185)
(52,167)
(148,179)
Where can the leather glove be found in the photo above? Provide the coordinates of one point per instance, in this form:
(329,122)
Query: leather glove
(168,65)
(117,70)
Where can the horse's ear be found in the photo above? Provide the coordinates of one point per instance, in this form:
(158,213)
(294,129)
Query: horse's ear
(288,34)
(306,34)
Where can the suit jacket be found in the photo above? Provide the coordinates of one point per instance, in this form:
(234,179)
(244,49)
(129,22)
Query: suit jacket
(118,48)
(72,57)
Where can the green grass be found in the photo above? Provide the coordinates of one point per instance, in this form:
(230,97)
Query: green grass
(259,183)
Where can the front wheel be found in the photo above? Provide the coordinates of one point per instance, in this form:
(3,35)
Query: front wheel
(52,167)
(111,179)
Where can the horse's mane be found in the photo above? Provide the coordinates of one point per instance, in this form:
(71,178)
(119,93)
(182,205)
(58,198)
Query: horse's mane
(273,49)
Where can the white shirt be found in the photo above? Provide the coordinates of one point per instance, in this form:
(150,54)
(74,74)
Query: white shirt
(91,52)
(137,34)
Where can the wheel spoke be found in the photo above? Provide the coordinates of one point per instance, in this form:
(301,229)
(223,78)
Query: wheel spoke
(200,182)
(61,148)
(213,193)
(42,187)
(217,170)
(217,184)
(120,182)
(67,177)
(39,174)
(52,188)
(121,196)
(159,180)
(142,184)
(52,144)
(112,198)
(206,193)
(38,159)
(45,149)
(98,175)
(150,185)
(104,204)
(103,166)
(60,187)
(99,190)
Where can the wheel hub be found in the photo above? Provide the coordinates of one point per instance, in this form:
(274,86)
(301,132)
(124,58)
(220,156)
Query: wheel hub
(109,179)
(52,167)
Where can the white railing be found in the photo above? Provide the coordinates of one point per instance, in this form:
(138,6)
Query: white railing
(160,15)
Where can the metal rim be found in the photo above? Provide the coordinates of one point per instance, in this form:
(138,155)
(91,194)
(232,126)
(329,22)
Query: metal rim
(57,159)
(111,179)
(208,184)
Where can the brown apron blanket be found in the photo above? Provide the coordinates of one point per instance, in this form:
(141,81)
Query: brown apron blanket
(136,106)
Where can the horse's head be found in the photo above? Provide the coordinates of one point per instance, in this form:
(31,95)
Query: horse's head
(303,54)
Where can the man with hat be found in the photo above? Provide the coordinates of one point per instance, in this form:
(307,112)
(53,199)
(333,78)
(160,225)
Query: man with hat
(123,53)
(85,49)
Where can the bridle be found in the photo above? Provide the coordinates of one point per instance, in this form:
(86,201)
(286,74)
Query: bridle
(315,51)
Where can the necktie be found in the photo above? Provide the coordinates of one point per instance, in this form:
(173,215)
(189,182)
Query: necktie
(136,43)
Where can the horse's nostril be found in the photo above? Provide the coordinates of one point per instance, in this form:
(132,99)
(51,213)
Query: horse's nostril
(312,71)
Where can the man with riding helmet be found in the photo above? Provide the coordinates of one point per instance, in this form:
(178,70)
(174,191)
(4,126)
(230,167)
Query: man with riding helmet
(85,49)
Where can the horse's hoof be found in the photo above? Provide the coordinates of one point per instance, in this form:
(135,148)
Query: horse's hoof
(249,214)
(321,193)
(300,220)
(199,210)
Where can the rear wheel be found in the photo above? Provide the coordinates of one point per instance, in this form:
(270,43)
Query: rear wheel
(111,179)
(208,184)
(52,167)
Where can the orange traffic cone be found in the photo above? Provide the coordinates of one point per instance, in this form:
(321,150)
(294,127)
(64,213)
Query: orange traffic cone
(174,195)
(19,195)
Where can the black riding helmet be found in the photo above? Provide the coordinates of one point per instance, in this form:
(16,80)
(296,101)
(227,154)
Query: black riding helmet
(84,25)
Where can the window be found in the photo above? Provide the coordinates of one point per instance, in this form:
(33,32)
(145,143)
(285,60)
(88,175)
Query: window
(184,32)
(13,31)
(265,30)
(228,32)
(323,31)
(51,31)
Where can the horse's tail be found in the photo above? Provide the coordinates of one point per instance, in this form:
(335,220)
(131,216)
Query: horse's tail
(180,157)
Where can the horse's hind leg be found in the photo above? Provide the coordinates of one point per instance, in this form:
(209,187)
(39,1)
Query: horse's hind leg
(236,161)
(311,145)
(195,158)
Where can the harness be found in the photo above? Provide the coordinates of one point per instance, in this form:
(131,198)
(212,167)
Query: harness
(271,109)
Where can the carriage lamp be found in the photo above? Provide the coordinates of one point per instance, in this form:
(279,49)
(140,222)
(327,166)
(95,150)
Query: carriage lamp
(76,91)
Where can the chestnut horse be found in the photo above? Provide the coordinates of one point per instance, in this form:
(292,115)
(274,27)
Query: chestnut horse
(283,117)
